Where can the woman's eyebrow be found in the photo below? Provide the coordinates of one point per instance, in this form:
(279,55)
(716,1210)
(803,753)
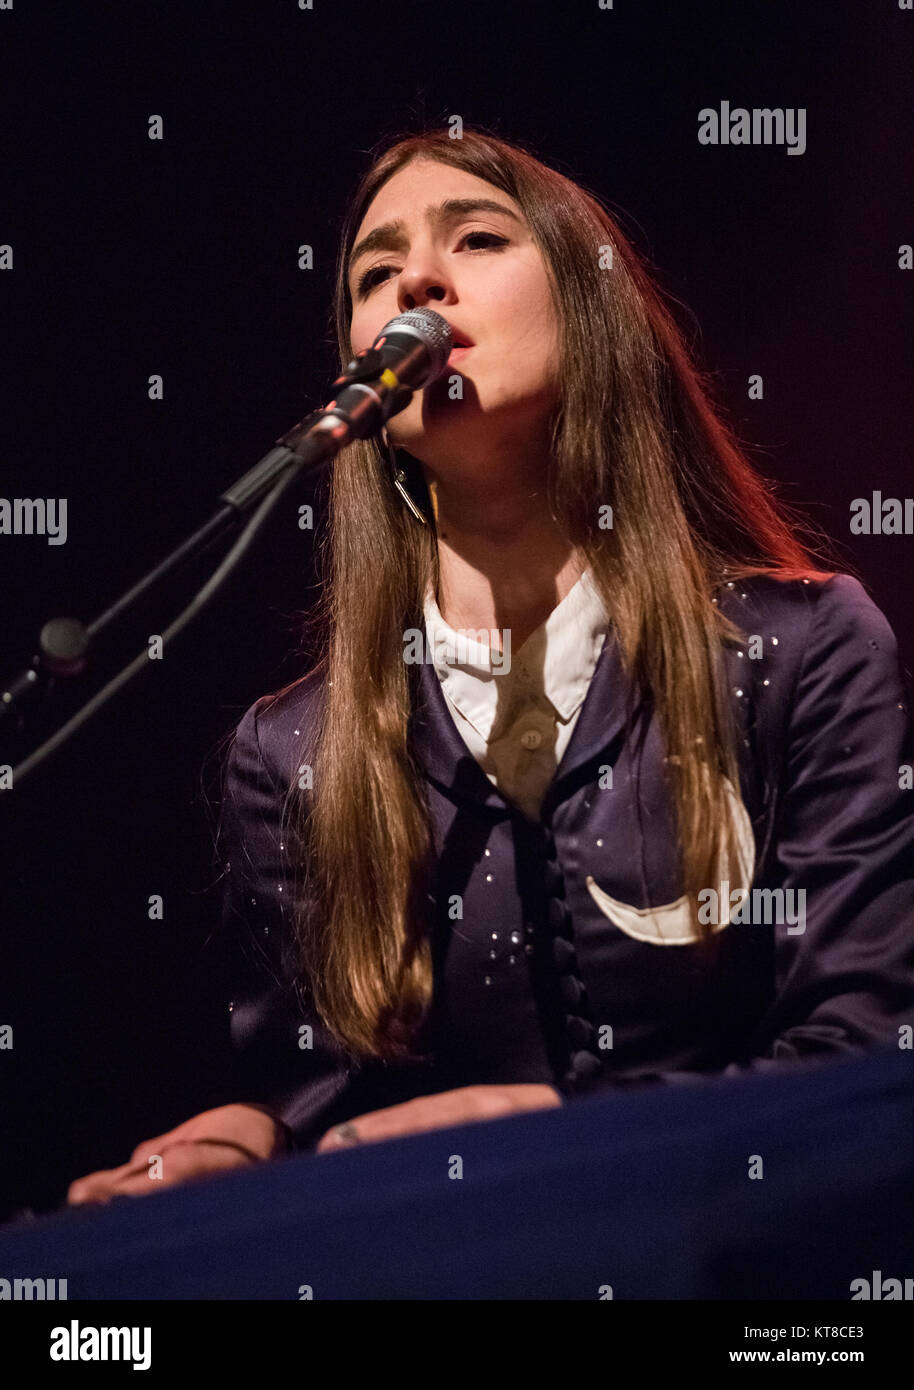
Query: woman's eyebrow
(390,237)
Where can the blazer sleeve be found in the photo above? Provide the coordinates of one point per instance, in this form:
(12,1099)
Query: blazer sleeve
(844,838)
(282,1057)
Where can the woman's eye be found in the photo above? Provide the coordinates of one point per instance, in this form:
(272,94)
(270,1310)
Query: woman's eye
(371,278)
(378,273)
(495,241)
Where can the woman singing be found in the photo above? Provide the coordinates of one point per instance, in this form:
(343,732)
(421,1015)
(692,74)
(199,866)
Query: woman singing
(600,781)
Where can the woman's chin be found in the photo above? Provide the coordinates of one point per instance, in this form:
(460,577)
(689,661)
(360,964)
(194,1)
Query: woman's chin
(440,449)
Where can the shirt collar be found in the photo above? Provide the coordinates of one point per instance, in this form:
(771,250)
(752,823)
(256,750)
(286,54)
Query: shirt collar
(557,660)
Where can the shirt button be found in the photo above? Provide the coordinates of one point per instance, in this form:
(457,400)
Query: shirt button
(558,916)
(585,1065)
(562,953)
(553,881)
(580,1031)
(570,990)
(531,738)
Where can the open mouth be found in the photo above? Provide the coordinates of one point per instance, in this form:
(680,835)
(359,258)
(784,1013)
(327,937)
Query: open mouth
(462,344)
(461,347)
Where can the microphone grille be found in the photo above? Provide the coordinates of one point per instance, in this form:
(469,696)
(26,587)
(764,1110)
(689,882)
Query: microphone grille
(434,330)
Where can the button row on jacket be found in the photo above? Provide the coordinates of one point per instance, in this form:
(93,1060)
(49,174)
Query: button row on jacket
(584,1065)
(541,841)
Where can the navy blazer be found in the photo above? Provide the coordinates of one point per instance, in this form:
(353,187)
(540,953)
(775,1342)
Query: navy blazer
(552,962)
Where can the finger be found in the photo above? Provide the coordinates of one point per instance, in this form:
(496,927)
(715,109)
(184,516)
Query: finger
(96,1186)
(93,1186)
(333,1140)
(181,1163)
(108,1182)
(395,1121)
(139,1183)
(154,1146)
(159,1142)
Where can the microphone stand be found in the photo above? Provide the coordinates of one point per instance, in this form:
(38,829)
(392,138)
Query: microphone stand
(66,645)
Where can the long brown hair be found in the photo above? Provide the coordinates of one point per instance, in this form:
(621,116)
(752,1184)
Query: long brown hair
(635,428)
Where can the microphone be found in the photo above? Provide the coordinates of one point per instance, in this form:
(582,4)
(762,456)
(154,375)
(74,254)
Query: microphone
(409,352)
(414,346)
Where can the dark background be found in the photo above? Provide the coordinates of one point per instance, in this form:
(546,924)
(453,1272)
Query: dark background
(179,257)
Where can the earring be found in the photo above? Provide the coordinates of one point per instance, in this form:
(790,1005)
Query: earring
(399,479)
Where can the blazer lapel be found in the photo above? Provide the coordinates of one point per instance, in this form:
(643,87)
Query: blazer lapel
(446,759)
(600,722)
(437,744)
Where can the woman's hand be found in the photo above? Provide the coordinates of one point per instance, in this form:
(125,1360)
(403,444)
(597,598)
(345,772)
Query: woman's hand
(230,1136)
(447,1108)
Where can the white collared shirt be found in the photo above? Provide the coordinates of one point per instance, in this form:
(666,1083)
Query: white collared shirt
(516,711)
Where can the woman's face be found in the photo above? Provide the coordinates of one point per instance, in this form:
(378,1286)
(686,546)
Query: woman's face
(437,240)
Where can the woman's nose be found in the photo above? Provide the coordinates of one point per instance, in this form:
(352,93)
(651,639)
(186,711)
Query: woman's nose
(422,281)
